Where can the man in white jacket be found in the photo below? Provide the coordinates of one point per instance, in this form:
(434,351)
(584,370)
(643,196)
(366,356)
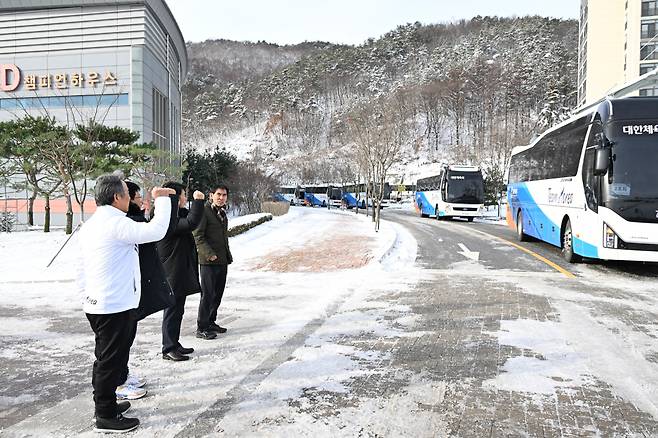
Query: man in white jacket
(110,284)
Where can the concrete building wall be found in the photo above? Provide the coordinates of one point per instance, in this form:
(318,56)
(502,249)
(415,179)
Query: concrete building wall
(135,45)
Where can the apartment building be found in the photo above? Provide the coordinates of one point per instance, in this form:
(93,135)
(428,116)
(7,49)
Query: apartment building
(618,42)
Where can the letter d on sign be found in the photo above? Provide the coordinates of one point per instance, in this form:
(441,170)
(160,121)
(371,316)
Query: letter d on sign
(10,77)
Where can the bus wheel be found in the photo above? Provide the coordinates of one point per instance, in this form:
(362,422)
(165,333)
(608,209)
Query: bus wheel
(567,245)
(470,219)
(520,235)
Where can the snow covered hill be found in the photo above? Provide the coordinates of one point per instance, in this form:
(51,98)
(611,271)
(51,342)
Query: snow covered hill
(472,90)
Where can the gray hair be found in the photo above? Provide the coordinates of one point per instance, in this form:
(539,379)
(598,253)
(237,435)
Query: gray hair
(106,187)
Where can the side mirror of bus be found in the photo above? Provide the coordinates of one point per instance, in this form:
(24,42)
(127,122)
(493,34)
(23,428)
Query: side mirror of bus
(602,161)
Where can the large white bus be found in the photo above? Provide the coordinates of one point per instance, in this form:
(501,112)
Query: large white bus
(589,185)
(299,196)
(286,194)
(316,195)
(334,195)
(458,191)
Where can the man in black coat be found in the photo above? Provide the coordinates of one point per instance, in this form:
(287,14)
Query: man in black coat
(179,257)
(156,292)
(211,238)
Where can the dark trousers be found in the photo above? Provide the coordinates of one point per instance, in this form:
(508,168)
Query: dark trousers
(114,334)
(171,322)
(213,281)
(131,338)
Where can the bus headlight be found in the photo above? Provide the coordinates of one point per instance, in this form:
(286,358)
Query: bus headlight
(610,239)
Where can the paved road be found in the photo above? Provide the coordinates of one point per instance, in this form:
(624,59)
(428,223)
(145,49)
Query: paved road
(501,328)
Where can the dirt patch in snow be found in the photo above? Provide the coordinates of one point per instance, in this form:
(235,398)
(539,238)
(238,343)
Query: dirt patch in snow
(343,252)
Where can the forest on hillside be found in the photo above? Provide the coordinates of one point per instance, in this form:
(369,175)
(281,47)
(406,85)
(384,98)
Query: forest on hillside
(464,92)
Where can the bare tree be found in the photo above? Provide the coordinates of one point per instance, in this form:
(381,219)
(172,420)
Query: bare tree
(379,132)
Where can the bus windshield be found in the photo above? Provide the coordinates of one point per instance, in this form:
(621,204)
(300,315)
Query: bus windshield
(465,187)
(634,158)
(334,193)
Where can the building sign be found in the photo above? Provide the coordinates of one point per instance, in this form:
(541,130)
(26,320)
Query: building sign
(11,78)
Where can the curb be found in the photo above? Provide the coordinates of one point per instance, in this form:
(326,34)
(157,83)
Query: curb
(243,228)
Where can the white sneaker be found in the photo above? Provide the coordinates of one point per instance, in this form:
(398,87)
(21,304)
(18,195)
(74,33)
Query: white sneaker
(129,392)
(134,381)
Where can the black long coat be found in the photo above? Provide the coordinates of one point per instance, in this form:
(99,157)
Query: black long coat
(156,292)
(178,252)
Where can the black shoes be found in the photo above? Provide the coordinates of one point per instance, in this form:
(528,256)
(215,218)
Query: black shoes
(118,424)
(183,350)
(206,334)
(122,407)
(174,355)
(215,328)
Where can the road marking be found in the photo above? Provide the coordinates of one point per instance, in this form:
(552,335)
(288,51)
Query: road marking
(468,253)
(526,250)
(532,253)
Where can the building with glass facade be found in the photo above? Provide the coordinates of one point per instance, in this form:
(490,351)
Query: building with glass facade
(118,62)
(618,42)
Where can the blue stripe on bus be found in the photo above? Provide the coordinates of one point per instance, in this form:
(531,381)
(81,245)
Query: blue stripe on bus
(550,232)
(349,199)
(424,205)
(313,200)
(585,249)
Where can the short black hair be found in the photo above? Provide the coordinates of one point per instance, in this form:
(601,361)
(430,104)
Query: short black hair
(220,186)
(178,187)
(132,189)
(106,187)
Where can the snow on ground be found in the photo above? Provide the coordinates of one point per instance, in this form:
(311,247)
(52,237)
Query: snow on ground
(603,331)
(289,300)
(281,323)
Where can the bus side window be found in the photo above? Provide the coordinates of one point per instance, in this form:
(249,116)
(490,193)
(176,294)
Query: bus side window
(591,182)
(573,142)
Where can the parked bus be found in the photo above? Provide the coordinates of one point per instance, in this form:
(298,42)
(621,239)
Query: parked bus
(334,195)
(589,185)
(286,194)
(457,191)
(316,196)
(354,195)
(300,196)
(386,198)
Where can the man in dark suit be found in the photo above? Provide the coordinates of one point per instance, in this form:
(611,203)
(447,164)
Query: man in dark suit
(178,254)
(211,238)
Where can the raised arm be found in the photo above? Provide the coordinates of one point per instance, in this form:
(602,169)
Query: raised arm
(130,231)
(193,219)
(173,217)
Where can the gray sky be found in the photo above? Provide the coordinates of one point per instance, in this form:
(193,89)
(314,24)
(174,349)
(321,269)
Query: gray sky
(338,21)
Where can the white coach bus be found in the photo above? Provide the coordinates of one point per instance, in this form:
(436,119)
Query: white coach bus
(590,185)
(458,191)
